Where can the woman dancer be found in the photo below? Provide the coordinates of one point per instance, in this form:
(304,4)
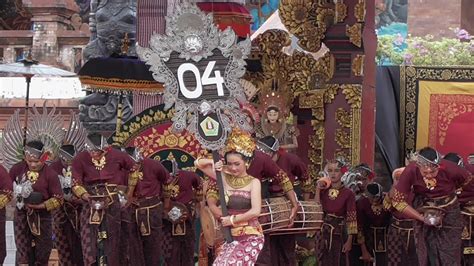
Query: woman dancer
(243,199)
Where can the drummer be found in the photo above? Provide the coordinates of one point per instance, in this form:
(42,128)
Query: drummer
(145,189)
(436,208)
(262,167)
(185,189)
(334,241)
(282,247)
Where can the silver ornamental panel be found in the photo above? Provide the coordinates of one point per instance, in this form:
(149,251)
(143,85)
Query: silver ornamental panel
(200,67)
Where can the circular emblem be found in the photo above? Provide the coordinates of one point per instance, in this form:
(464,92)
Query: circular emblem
(333,193)
(171,140)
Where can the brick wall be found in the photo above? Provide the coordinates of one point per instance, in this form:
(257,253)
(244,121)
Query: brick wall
(434,17)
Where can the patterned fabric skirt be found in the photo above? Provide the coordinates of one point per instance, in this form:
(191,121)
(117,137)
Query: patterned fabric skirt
(66,228)
(440,246)
(29,245)
(329,242)
(178,250)
(401,249)
(3,244)
(243,251)
(101,242)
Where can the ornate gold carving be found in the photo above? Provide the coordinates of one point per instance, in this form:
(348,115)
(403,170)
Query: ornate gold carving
(307,20)
(447,111)
(349,141)
(353,93)
(315,101)
(354,33)
(356,115)
(343,138)
(409,78)
(358,65)
(359,11)
(341,11)
(343,118)
(331,90)
(301,71)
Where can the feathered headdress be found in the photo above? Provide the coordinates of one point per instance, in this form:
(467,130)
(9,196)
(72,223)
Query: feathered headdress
(45,126)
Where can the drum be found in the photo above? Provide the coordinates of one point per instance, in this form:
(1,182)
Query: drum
(309,218)
(275,214)
(210,227)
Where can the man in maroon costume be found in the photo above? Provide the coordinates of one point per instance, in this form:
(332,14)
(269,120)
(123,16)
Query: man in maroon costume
(146,186)
(6,189)
(66,224)
(282,247)
(466,201)
(38,192)
(184,187)
(434,182)
(373,221)
(97,173)
(401,249)
(267,171)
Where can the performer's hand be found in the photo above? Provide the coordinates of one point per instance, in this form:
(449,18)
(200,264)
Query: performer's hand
(219,165)
(40,206)
(294,211)
(347,246)
(432,220)
(85,197)
(366,257)
(226,221)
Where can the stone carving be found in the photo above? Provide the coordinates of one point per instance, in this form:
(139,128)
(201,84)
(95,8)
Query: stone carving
(108,22)
(98,111)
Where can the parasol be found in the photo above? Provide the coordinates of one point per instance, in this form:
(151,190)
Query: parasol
(28,68)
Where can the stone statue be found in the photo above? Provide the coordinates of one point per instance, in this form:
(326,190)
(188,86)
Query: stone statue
(98,111)
(108,22)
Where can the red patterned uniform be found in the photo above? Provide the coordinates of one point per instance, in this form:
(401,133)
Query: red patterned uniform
(339,221)
(145,241)
(373,221)
(282,247)
(100,230)
(431,240)
(36,226)
(185,187)
(66,224)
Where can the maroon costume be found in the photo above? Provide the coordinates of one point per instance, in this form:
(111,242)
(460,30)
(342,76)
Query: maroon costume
(373,221)
(66,223)
(282,247)
(185,187)
(100,227)
(431,241)
(466,200)
(146,227)
(270,174)
(401,249)
(6,189)
(36,225)
(339,221)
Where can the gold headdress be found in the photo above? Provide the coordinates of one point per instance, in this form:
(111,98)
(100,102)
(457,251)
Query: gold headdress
(241,142)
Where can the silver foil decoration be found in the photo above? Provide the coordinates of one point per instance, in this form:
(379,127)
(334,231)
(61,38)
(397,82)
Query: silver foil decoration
(191,37)
(175,214)
(22,189)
